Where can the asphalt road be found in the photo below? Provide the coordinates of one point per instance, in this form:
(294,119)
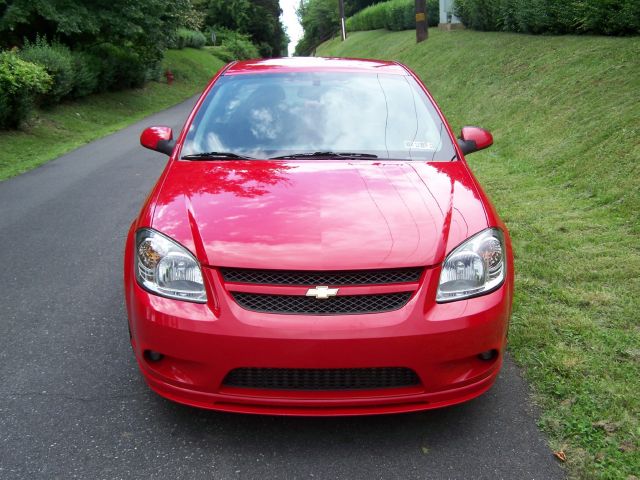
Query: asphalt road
(72,404)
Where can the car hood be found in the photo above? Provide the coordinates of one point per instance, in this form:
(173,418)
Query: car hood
(318,214)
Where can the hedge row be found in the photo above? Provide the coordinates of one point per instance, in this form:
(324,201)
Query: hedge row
(49,72)
(69,74)
(392,15)
(604,17)
(80,73)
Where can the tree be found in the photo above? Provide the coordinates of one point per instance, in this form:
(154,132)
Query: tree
(260,19)
(145,26)
(320,21)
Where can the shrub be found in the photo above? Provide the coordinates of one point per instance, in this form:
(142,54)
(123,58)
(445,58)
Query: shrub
(265,50)
(608,17)
(392,15)
(222,53)
(154,72)
(88,69)
(480,15)
(320,22)
(57,60)
(189,38)
(241,49)
(237,44)
(20,83)
(121,67)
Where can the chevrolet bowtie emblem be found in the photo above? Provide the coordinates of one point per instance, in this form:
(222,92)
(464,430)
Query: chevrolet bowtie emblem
(322,292)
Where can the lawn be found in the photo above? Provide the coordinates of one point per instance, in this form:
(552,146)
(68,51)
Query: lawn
(564,174)
(50,133)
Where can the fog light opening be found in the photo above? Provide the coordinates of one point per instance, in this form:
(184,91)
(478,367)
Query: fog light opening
(488,355)
(153,356)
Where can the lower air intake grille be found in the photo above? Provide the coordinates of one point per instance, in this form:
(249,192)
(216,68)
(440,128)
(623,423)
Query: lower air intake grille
(300,304)
(321,378)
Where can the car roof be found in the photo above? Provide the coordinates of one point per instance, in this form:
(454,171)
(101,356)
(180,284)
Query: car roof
(315,64)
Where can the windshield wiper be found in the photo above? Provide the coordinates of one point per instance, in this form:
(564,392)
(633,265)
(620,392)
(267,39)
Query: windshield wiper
(216,156)
(325,155)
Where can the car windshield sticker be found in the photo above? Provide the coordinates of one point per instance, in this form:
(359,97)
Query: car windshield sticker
(408,144)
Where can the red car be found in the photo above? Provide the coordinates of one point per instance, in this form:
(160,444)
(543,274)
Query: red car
(317,245)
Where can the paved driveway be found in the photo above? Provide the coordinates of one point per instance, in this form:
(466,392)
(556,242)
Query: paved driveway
(72,404)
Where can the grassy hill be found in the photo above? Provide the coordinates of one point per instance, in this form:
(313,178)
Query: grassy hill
(564,174)
(64,127)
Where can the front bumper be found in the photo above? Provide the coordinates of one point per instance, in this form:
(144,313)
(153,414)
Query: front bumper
(201,343)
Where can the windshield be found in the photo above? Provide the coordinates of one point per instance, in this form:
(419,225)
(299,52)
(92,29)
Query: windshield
(280,114)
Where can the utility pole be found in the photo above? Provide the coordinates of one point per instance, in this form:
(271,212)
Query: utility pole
(343,27)
(421,21)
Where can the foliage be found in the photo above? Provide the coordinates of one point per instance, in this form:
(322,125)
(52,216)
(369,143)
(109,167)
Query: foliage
(191,15)
(109,44)
(259,19)
(354,6)
(320,18)
(21,19)
(232,45)
(392,15)
(87,72)
(20,83)
(222,53)
(144,27)
(320,21)
(114,44)
(563,173)
(76,122)
(189,38)
(606,17)
(121,67)
(238,45)
(57,60)
(241,49)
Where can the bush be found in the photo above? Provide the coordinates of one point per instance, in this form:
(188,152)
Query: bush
(20,83)
(237,44)
(222,53)
(57,60)
(608,17)
(154,73)
(478,15)
(241,49)
(392,15)
(320,21)
(88,70)
(265,50)
(189,38)
(121,67)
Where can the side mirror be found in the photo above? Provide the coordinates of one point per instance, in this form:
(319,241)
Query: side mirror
(473,139)
(159,139)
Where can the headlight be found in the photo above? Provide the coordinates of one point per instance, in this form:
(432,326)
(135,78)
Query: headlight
(474,268)
(166,268)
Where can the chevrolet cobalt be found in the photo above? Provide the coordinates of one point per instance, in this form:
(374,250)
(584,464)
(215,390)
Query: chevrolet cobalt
(317,245)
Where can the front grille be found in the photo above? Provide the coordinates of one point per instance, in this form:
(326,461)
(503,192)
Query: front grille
(321,378)
(336,278)
(300,304)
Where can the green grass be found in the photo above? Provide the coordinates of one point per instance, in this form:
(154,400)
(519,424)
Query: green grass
(50,133)
(564,174)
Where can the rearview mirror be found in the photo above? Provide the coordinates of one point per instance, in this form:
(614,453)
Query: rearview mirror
(473,139)
(158,138)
